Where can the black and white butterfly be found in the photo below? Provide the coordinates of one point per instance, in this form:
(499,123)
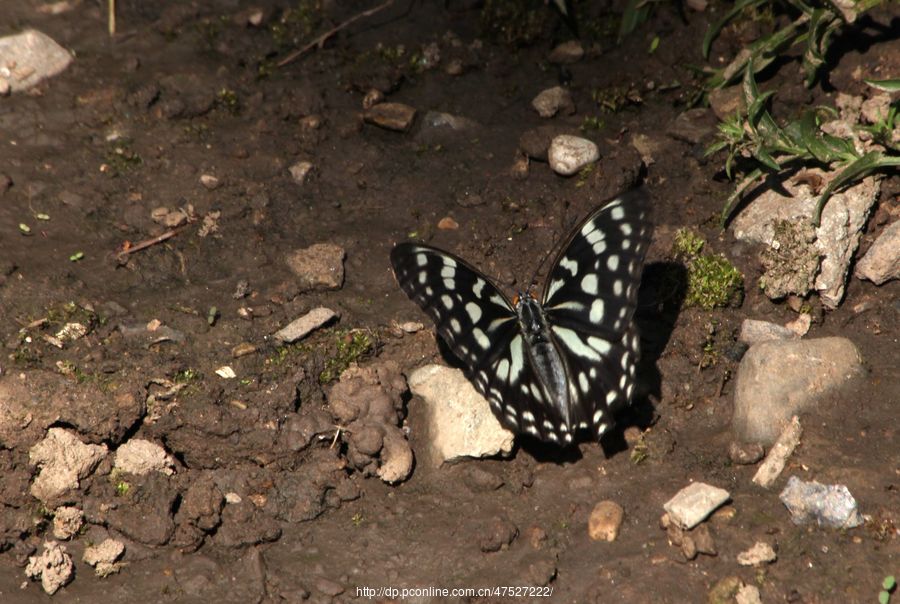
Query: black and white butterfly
(554,366)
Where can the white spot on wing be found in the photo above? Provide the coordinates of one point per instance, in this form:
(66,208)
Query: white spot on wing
(612,263)
(474,311)
(569,265)
(516,358)
(617,213)
(599,344)
(421,259)
(448,272)
(503,369)
(554,287)
(596,311)
(575,344)
(478,287)
(589,284)
(481,338)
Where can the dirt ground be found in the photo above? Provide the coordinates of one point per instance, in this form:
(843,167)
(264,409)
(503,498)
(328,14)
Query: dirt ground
(193,88)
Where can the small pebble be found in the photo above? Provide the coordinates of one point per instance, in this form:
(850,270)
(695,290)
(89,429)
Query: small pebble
(551,101)
(447,224)
(391,116)
(209,181)
(692,504)
(568,154)
(301,171)
(760,553)
(300,328)
(745,454)
(605,520)
(568,52)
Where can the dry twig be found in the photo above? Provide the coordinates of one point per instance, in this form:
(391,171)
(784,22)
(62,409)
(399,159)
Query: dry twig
(320,41)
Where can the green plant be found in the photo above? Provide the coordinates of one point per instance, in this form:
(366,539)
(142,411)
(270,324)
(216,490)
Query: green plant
(888,586)
(712,280)
(350,346)
(755,135)
(815,23)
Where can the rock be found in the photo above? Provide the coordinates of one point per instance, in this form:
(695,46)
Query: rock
(302,327)
(692,504)
(368,401)
(391,116)
(569,154)
(460,420)
(570,51)
(876,108)
(777,380)
(30,57)
(301,171)
(836,239)
(63,461)
(447,224)
(882,262)
(499,534)
(725,102)
(318,267)
(67,521)
(169,218)
(828,505)
(724,591)
(745,454)
(703,541)
(761,553)
(800,326)
(693,126)
(605,520)
(771,468)
(209,182)
(141,457)
(646,147)
(551,101)
(791,262)
(103,557)
(753,332)
(747,594)
(480,480)
(53,567)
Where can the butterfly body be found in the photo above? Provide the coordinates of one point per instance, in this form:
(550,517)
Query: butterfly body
(556,365)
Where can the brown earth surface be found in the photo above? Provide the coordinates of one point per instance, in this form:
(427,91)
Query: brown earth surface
(193,88)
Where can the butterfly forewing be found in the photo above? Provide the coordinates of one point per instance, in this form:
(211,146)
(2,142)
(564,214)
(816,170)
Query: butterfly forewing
(472,316)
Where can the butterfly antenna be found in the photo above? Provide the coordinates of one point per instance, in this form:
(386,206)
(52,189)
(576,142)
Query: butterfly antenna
(556,243)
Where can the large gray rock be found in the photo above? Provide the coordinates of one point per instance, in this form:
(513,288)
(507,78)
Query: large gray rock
(835,240)
(779,379)
(882,262)
(64,461)
(31,56)
(460,420)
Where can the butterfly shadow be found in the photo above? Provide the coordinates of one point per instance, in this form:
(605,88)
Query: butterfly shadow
(660,298)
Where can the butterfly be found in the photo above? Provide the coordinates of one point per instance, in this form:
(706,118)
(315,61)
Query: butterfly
(554,366)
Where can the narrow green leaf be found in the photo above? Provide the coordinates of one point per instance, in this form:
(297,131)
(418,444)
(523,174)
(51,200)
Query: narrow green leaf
(733,199)
(891,85)
(767,160)
(855,171)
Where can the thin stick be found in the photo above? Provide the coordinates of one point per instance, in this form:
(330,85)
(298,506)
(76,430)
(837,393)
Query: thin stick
(111,17)
(320,41)
(148,242)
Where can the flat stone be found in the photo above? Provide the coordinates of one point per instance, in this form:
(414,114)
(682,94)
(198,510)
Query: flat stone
(834,241)
(138,456)
(694,503)
(31,56)
(302,327)
(570,51)
(569,154)
(605,520)
(761,553)
(882,262)
(753,332)
(460,420)
(828,505)
(551,101)
(693,126)
(318,267)
(391,116)
(779,379)
(103,556)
